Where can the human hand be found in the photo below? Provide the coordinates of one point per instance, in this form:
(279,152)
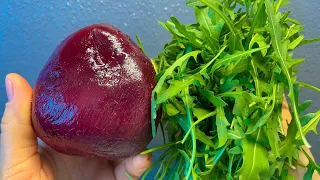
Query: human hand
(24,157)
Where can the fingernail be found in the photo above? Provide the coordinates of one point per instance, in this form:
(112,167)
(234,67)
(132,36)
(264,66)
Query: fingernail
(10,90)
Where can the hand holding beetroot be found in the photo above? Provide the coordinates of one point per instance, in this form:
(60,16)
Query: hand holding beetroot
(92,100)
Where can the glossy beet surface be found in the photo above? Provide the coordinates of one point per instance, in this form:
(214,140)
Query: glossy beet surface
(92,98)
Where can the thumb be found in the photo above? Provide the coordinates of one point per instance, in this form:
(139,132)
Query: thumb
(18,139)
(133,167)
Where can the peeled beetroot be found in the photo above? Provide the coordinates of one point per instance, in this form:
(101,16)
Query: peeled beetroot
(92,98)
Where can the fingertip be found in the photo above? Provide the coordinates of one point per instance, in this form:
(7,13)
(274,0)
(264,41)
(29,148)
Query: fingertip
(19,81)
(142,162)
(19,95)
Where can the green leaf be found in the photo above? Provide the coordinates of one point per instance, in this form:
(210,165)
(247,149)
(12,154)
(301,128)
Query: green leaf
(281,52)
(184,122)
(220,14)
(282,3)
(255,161)
(235,150)
(303,84)
(275,165)
(258,21)
(222,124)
(171,110)
(187,102)
(241,108)
(265,117)
(273,136)
(205,21)
(312,163)
(200,113)
(307,118)
(216,101)
(194,3)
(175,88)
(309,41)
(235,56)
(153,115)
(296,42)
(295,62)
(311,125)
(260,40)
(309,173)
(140,44)
(236,133)
(294,29)
(160,83)
(241,66)
(201,136)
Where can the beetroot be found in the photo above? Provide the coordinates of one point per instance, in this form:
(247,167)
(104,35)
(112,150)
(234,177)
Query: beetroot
(92,98)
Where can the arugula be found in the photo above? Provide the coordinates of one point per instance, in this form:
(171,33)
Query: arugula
(220,87)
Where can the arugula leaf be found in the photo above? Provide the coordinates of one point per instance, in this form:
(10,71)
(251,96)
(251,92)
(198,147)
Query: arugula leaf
(187,102)
(260,40)
(216,101)
(220,14)
(255,162)
(194,3)
(235,56)
(309,41)
(236,133)
(235,150)
(311,125)
(273,136)
(221,85)
(161,82)
(205,21)
(221,123)
(201,136)
(281,52)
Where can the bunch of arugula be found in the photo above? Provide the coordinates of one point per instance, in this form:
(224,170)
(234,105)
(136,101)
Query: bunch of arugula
(220,87)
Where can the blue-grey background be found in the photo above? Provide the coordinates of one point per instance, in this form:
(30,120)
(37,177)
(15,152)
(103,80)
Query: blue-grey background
(31,29)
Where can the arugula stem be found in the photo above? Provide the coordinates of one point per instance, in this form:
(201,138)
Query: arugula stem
(155,66)
(197,122)
(280,125)
(254,23)
(303,84)
(230,167)
(237,167)
(159,147)
(212,60)
(163,134)
(154,164)
(128,176)
(294,106)
(278,5)
(311,161)
(193,133)
(164,172)
(255,77)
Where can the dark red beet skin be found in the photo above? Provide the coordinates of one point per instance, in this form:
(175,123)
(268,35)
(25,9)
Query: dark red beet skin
(92,98)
